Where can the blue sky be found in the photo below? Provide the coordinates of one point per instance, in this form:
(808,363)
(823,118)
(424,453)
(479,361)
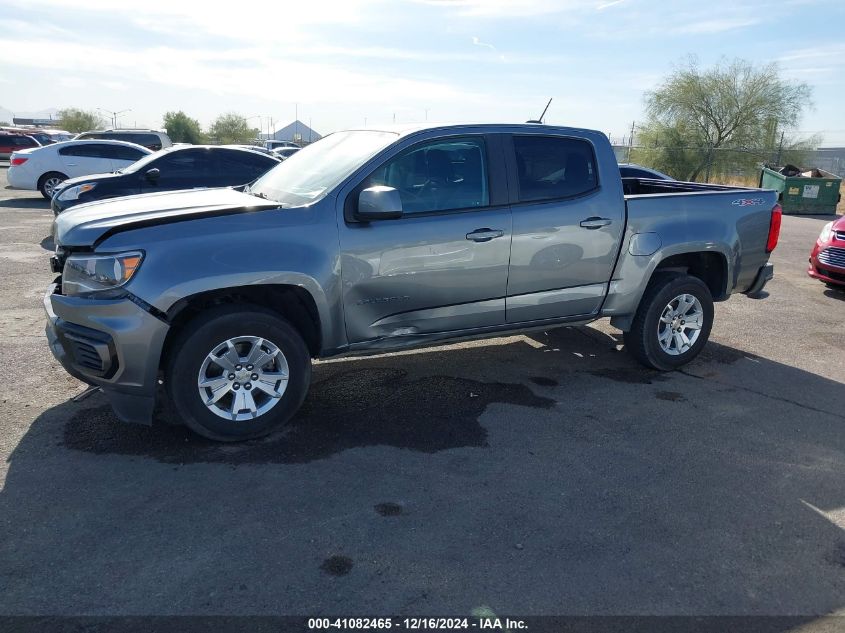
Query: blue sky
(347,61)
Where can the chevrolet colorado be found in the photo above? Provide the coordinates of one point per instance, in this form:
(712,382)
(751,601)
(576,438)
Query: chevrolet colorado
(374,240)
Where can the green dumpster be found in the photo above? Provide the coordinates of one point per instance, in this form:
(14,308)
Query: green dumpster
(802,190)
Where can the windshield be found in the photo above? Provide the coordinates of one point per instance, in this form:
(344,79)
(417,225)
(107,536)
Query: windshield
(316,169)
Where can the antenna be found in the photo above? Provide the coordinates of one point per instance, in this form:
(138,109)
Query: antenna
(540,120)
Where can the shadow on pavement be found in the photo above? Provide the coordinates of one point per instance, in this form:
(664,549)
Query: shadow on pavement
(26,203)
(543,475)
(835,293)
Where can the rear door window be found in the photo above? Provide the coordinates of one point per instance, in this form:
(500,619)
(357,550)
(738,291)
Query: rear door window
(239,168)
(189,168)
(553,167)
(23,141)
(88,150)
(147,140)
(124,153)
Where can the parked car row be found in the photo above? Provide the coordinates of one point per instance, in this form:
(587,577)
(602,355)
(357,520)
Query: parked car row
(45,168)
(183,167)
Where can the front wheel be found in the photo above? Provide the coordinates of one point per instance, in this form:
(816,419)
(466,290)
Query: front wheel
(672,323)
(237,373)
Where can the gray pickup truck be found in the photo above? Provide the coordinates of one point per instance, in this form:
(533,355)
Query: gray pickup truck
(375,240)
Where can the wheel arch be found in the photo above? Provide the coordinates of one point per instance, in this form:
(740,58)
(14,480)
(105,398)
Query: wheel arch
(712,264)
(292,302)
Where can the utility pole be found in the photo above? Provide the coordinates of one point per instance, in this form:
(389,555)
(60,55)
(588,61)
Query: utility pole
(709,162)
(630,141)
(426,114)
(780,149)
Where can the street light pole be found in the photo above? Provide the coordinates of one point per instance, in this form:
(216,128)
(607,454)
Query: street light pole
(114,114)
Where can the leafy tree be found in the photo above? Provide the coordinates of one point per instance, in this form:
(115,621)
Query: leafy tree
(76,120)
(183,129)
(703,121)
(231,128)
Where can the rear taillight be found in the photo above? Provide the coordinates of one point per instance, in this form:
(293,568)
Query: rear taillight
(18,161)
(774,228)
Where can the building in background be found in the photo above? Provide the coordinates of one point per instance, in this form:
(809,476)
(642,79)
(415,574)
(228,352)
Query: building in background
(297,132)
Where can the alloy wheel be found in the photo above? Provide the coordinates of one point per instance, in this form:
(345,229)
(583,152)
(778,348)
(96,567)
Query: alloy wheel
(243,378)
(680,324)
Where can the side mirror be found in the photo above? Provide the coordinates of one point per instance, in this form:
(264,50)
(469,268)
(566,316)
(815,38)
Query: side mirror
(152,174)
(379,203)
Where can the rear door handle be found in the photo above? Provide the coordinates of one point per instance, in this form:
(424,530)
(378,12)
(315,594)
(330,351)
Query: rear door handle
(595,222)
(484,235)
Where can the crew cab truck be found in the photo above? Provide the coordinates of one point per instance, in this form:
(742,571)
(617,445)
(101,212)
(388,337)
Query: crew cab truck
(373,240)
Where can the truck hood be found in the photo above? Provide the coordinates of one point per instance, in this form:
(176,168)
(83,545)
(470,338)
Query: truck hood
(86,224)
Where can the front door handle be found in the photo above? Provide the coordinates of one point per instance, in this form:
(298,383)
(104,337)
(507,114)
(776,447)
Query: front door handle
(595,222)
(484,235)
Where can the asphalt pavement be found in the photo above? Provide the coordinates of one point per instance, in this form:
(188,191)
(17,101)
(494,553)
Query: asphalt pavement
(531,475)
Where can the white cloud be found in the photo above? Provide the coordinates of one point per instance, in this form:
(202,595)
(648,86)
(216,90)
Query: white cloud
(243,71)
(478,42)
(607,5)
(510,8)
(716,25)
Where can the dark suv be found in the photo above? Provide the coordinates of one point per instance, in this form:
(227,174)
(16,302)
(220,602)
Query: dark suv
(152,139)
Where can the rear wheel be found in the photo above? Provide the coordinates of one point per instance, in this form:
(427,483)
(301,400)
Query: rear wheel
(48,183)
(672,323)
(238,372)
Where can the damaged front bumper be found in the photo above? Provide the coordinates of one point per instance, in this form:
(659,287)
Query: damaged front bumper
(113,344)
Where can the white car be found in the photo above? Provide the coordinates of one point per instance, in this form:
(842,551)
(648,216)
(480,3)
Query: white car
(285,152)
(274,144)
(45,168)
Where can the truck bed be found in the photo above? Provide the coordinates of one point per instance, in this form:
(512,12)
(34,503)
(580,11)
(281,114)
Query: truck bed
(650,187)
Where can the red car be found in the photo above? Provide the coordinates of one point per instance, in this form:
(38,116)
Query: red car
(11,142)
(827,261)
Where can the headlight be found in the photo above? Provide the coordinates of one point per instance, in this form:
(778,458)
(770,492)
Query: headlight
(73,193)
(85,274)
(827,232)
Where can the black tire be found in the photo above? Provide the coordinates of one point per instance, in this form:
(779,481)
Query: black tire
(836,287)
(45,179)
(642,339)
(204,334)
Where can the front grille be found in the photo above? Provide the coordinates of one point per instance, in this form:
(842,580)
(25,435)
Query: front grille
(833,257)
(840,235)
